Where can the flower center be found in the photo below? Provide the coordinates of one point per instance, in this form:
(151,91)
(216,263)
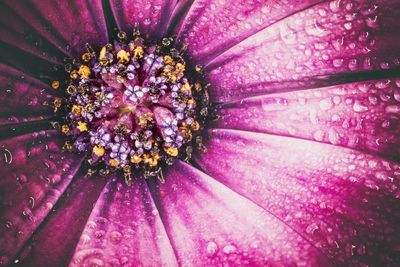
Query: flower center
(133,107)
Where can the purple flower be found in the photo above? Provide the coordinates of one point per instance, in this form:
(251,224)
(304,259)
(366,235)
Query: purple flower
(300,166)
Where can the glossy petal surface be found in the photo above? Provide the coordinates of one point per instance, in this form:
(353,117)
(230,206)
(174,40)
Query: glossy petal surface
(124,229)
(34,175)
(363,115)
(324,42)
(343,201)
(211,27)
(208,224)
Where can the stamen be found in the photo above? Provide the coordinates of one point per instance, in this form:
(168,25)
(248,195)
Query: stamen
(133,107)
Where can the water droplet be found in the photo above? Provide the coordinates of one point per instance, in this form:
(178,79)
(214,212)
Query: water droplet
(154,212)
(228,249)
(396,96)
(115,237)
(333,136)
(147,21)
(4,260)
(312,228)
(85,238)
(357,107)
(91,225)
(373,100)
(8,224)
(99,234)
(96,262)
(392,109)
(8,157)
(338,62)
(27,212)
(318,135)
(212,248)
(325,104)
(385,124)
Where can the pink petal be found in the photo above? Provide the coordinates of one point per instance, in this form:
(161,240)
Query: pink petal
(13,120)
(363,115)
(209,225)
(152,16)
(124,229)
(211,27)
(304,50)
(68,25)
(344,202)
(22,95)
(53,244)
(34,175)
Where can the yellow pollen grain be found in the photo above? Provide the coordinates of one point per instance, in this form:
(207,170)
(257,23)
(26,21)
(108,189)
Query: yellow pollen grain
(179,67)
(65,128)
(191,101)
(113,163)
(86,57)
(67,146)
(123,56)
(168,60)
(74,75)
(195,126)
(84,71)
(197,68)
(103,60)
(136,159)
(76,110)
(174,79)
(144,119)
(152,161)
(99,150)
(186,87)
(138,52)
(57,102)
(187,133)
(55,85)
(82,126)
(172,151)
(197,87)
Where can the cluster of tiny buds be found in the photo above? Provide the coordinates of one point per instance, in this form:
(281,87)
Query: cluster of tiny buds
(132,107)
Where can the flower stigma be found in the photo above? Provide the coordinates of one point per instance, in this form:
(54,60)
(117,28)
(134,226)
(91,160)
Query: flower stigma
(133,107)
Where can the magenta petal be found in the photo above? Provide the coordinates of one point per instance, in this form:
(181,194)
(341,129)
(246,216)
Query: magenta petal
(211,27)
(329,39)
(54,242)
(362,115)
(17,33)
(345,202)
(68,25)
(152,16)
(22,95)
(124,229)
(34,175)
(210,225)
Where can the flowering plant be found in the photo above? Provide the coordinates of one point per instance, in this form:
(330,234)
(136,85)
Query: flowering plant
(200,133)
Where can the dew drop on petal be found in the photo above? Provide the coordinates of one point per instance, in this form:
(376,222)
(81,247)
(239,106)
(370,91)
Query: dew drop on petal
(228,249)
(357,107)
(212,248)
(325,104)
